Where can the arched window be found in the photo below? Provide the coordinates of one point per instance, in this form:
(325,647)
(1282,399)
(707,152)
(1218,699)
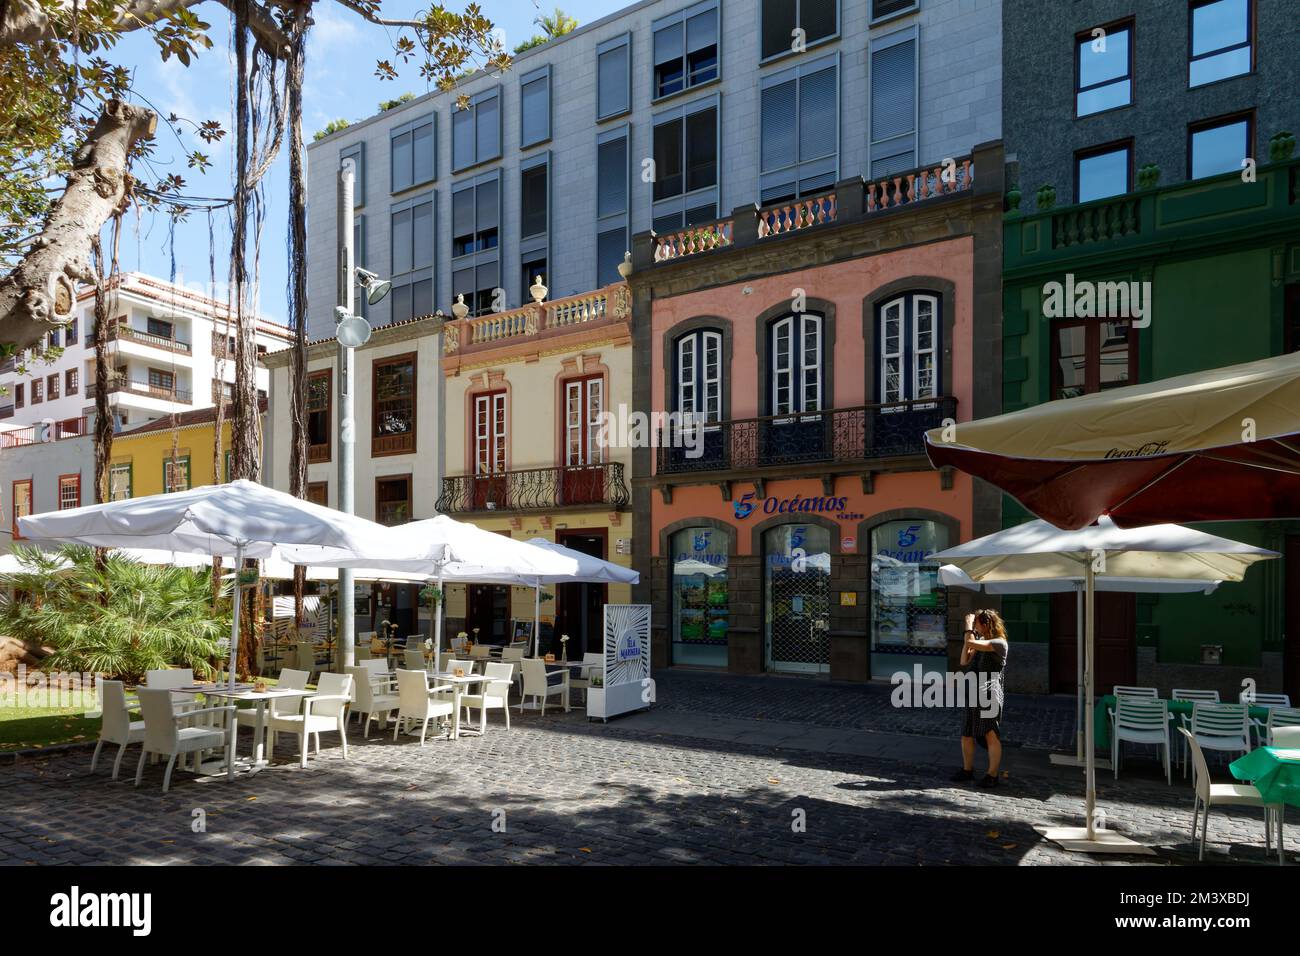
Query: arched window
(698,386)
(796,363)
(908,348)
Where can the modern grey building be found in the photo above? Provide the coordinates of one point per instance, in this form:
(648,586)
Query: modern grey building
(1098,89)
(665,114)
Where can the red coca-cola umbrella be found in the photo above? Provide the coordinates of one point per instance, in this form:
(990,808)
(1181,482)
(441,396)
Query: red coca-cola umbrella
(1218,445)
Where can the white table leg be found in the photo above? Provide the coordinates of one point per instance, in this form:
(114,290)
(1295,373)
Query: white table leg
(455,711)
(259,734)
(230,752)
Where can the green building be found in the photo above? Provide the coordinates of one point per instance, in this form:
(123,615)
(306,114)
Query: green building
(1220,260)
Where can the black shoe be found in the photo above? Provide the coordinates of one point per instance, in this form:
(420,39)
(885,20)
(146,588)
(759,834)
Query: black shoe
(988,781)
(962,775)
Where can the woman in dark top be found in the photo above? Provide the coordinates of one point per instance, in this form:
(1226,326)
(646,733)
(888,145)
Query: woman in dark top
(984,652)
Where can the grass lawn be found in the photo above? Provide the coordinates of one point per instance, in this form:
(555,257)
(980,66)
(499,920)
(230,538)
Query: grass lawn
(22,727)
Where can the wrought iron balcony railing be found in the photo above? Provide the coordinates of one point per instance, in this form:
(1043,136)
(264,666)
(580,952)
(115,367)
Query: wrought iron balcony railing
(835,436)
(129,334)
(536,489)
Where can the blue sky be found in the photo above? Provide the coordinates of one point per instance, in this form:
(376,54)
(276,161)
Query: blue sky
(340,82)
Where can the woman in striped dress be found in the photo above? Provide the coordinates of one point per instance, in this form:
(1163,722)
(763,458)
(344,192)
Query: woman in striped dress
(984,652)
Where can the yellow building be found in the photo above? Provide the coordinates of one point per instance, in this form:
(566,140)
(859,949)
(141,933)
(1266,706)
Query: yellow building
(526,395)
(142,462)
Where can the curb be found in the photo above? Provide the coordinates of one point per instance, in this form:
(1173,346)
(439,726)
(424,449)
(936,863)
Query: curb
(13,756)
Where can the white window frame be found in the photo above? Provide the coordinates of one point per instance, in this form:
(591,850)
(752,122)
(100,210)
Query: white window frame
(910,351)
(796,370)
(491,433)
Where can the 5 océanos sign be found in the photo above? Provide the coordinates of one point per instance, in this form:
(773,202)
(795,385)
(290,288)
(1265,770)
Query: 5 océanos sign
(747,504)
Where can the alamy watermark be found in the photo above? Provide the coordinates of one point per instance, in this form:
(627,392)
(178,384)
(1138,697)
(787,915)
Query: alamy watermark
(945,689)
(70,689)
(625,428)
(1075,299)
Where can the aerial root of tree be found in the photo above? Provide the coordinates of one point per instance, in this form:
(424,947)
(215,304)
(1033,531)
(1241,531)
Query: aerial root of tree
(40,294)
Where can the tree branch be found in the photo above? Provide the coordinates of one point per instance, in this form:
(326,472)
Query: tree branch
(40,293)
(370,15)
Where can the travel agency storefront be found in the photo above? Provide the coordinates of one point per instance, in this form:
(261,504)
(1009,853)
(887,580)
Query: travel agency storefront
(790,507)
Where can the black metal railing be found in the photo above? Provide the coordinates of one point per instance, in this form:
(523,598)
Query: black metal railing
(533,489)
(836,435)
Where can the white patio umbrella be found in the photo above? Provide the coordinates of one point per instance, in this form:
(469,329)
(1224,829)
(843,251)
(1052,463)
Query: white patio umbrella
(591,570)
(952,576)
(1037,550)
(241,519)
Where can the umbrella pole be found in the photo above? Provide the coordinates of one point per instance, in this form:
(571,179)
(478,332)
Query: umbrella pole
(537,615)
(1090,750)
(437,627)
(1080,714)
(234,618)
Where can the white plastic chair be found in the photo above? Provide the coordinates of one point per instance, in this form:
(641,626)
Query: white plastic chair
(1286,738)
(590,661)
(1272,702)
(537,685)
(480,652)
(371,699)
(414,657)
(323,712)
(1225,795)
(1223,727)
(116,725)
(1184,720)
(290,679)
(495,694)
(1140,720)
(513,655)
(416,701)
(164,734)
(1121,690)
(1281,721)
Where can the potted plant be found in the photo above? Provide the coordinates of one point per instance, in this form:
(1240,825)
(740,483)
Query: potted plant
(247,577)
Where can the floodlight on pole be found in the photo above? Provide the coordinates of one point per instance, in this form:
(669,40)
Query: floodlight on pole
(376,288)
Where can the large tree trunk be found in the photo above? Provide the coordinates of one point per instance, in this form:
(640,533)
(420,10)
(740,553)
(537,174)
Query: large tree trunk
(41,293)
(297,289)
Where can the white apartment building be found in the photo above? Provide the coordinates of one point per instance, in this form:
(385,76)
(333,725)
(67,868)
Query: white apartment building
(171,349)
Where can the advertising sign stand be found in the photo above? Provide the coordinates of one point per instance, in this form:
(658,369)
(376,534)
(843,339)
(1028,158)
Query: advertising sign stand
(625,682)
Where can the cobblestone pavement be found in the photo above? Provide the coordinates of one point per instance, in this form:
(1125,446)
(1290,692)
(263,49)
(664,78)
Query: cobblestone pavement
(628,792)
(1041,723)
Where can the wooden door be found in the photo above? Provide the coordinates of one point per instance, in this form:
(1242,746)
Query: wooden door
(580,608)
(1115,640)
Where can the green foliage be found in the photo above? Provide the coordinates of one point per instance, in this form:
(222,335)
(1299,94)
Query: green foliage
(386,105)
(333,126)
(553,25)
(119,619)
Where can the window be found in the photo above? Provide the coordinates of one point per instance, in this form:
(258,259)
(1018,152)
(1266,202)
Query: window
(318,493)
(393,500)
(38,391)
(795,347)
(1104,69)
(357,154)
(71,332)
(69,492)
(686,167)
(908,349)
(583,404)
(534,222)
(893,103)
(160,328)
(119,481)
(70,383)
(18,395)
(360,260)
(535,107)
(52,385)
(475,236)
(412,151)
(612,176)
(393,427)
(52,339)
(1104,172)
(22,499)
(228,466)
(887,8)
(799,154)
(818,19)
(1221,40)
(699,375)
(909,604)
(1091,356)
(476,131)
(686,49)
(614,77)
(320,393)
(490,439)
(162,381)
(412,236)
(701,609)
(1219,146)
(176,474)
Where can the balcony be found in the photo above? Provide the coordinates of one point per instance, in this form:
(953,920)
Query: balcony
(836,436)
(536,489)
(6,411)
(1215,211)
(603,307)
(852,200)
(317,454)
(43,432)
(144,390)
(126,333)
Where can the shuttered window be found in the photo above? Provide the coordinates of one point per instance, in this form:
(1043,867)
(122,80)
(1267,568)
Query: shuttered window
(476,131)
(686,166)
(685,49)
(412,228)
(817,19)
(893,104)
(612,174)
(411,154)
(613,77)
(534,222)
(476,229)
(535,107)
(799,150)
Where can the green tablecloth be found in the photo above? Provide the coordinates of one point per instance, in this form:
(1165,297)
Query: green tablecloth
(1101,719)
(1277,778)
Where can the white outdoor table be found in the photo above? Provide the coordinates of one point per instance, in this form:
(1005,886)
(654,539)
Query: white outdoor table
(259,730)
(457,685)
